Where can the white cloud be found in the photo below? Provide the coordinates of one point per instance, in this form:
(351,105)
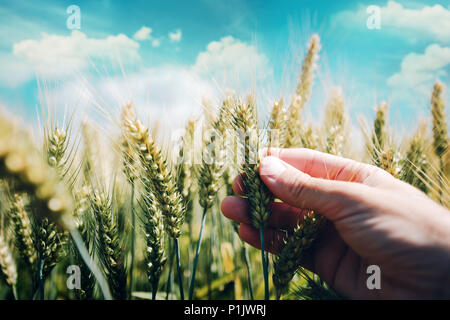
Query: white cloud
(171,94)
(156,43)
(175,36)
(167,94)
(55,56)
(232,62)
(418,71)
(143,33)
(432,22)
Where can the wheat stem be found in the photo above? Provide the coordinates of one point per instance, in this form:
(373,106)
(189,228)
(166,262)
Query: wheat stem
(104,288)
(264,263)
(197,252)
(169,286)
(180,275)
(249,271)
(133,237)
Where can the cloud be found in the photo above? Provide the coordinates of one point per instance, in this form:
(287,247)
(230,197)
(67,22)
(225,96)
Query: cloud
(167,94)
(418,71)
(56,56)
(171,93)
(156,43)
(232,61)
(143,33)
(175,36)
(429,22)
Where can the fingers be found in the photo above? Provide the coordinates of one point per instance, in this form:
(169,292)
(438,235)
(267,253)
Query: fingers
(283,215)
(300,190)
(323,165)
(273,239)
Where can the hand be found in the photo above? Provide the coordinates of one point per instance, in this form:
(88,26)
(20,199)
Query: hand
(375,220)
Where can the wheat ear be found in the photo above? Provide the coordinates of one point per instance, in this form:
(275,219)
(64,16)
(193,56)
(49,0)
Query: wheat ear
(246,125)
(109,250)
(159,176)
(152,221)
(129,160)
(335,122)
(291,256)
(209,177)
(415,165)
(440,142)
(277,125)
(23,230)
(302,94)
(7,264)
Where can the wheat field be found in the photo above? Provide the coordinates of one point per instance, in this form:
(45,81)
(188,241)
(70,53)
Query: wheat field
(139,218)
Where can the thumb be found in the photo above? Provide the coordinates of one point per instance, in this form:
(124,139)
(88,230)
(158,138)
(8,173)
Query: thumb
(298,189)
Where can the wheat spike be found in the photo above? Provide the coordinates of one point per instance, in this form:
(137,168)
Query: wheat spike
(109,250)
(23,230)
(49,243)
(415,167)
(302,94)
(335,122)
(185,166)
(246,125)
(129,156)
(152,221)
(440,142)
(7,264)
(212,161)
(379,132)
(277,125)
(158,174)
(290,257)
(20,161)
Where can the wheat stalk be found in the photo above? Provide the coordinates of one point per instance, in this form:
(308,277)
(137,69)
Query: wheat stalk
(209,177)
(246,125)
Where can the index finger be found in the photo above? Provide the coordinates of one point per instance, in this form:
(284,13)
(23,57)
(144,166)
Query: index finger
(323,165)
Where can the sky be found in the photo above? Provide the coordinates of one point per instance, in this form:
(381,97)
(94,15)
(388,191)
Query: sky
(170,57)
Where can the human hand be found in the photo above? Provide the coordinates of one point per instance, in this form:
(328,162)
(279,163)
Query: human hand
(375,220)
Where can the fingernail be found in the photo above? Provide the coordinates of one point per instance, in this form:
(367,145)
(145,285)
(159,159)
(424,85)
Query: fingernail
(271,167)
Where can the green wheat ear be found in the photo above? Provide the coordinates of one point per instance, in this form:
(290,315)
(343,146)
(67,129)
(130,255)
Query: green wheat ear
(416,165)
(108,243)
(291,256)
(153,225)
(246,125)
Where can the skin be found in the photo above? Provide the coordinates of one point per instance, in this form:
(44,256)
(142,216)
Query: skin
(374,219)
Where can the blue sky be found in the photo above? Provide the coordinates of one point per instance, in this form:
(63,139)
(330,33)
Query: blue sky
(188,50)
